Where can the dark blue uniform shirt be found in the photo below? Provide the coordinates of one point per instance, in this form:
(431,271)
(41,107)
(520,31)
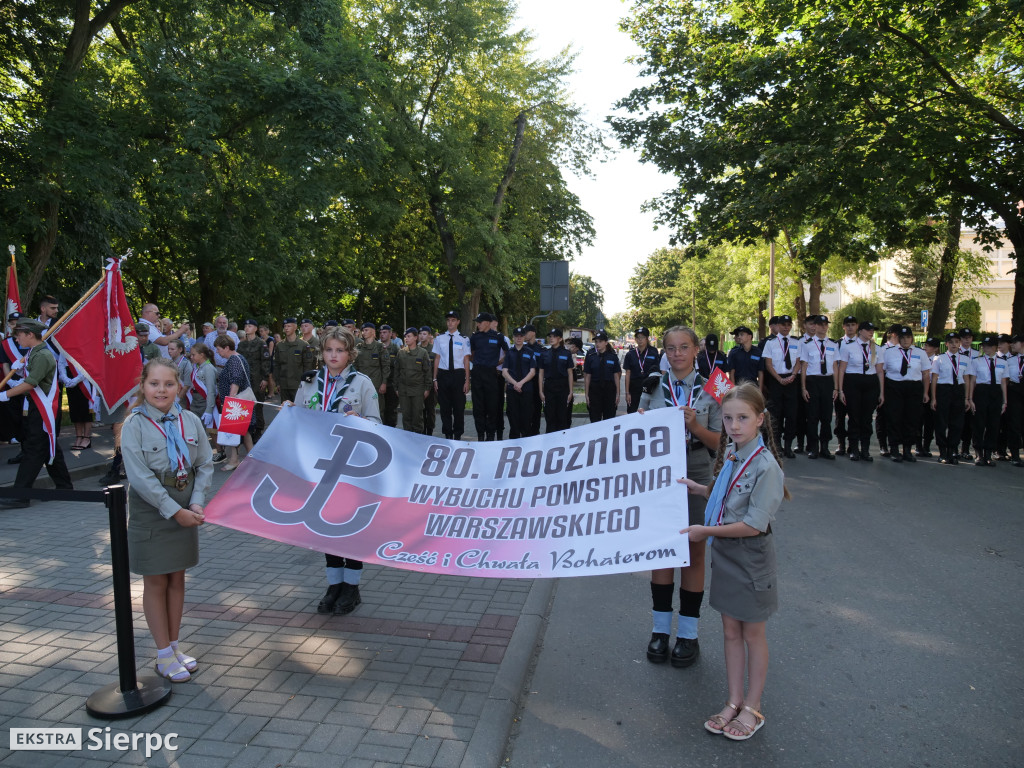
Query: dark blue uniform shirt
(486,348)
(640,364)
(601,367)
(557,363)
(745,364)
(519,363)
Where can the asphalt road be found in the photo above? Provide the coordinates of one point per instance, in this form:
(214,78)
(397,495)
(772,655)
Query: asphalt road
(897,642)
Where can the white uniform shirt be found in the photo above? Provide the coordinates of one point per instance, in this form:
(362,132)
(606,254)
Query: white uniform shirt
(460,346)
(981,370)
(892,362)
(950,369)
(860,356)
(813,350)
(775,350)
(1015,368)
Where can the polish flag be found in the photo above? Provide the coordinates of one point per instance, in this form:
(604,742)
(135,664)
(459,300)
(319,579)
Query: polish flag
(235,416)
(97,336)
(717,385)
(13,297)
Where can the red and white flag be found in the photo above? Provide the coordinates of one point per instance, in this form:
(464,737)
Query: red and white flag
(717,385)
(13,297)
(235,416)
(98,337)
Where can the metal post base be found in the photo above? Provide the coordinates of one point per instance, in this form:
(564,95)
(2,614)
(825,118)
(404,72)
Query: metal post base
(111,703)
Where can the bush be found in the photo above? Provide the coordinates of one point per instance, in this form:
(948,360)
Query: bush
(862,309)
(968,315)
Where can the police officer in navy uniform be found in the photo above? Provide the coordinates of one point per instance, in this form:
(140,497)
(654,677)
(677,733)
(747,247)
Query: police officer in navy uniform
(485,349)
(601,374)
(744,360)
(781,357)
(534,343)
(556,368)
(639,363)
(986,398)
(711,357)
(819,385)
(520,375)
(451,377)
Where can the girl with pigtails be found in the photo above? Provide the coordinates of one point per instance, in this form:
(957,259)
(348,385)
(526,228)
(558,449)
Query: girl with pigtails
(741,506)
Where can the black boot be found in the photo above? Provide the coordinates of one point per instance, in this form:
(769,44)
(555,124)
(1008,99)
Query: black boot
(841,449)
(347,600)
(865,450)
(894,453)
(327,603)
(908,455)
(657,649)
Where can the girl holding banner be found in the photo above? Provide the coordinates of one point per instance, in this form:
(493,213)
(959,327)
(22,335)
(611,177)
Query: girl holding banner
(682,387)
(169,465)
(747,494)
(340,388)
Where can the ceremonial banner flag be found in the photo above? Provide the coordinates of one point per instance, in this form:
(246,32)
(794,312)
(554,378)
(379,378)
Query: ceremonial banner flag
(597,499)
(235,416)
(13,297)
(717,385)
(98,336)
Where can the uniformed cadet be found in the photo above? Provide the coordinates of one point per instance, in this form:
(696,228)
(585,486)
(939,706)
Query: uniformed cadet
(520,374)
(389,400)
(373,359)
(485,348)
(773,331)
(574,345)
(147,348)
(601,375)
(426,341)
(967,355)
(711,357)
(1003,352)
(948,399)
(311,353)
(11,411)
(902,375)
(257,354)
(289,362)
(986,398)
(639,363)
(858,388)
(781,356)
(451,377)
(881,421)
(413,374)
(555,382)
(495,326)
(744,360)
(534,343)
(682,387)
(1015,400)
(819,386)
(927,434)
(40,425)
(849,337)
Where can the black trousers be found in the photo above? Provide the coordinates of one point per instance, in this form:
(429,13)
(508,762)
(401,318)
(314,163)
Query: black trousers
(335,561)
(861,392)
(537,410)
(486,390)
(36,448)
(556,392)
(927,427)
(903,409)
(635,390)
(782,407)
(988,404)
(602,400)
(842,419)
(1014,416)
(452,400)
(949,416)
(519,408)
(819,412)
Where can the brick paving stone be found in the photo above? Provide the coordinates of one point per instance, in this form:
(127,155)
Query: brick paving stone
(376,753)
(450,754)
(423,751)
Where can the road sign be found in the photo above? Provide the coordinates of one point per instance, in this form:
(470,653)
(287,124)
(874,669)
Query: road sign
(924,318)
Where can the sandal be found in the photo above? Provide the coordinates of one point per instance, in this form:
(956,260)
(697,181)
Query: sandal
(747,730)
(173,671)
(87,445)
(229,468)
(186,661)
(717,723)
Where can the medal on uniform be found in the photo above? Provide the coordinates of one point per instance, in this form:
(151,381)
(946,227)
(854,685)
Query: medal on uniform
(181,479)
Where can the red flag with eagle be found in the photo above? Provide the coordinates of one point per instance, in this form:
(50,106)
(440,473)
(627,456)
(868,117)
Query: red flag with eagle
(13,297)
(98,337)
(235,416)
(717,385)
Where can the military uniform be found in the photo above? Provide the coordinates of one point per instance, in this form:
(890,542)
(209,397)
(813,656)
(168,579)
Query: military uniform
(374,361)
(389,401)
(291,359)
(412,377)
(257,355)
(430,404)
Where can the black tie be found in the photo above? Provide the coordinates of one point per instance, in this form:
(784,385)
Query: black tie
(789,362)
(905,365)
(865,357)
(822,359)
(992,368)
(451,352)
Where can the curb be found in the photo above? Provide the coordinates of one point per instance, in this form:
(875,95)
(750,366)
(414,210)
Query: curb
(490,737)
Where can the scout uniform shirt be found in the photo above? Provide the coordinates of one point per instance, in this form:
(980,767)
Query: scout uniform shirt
(374,361)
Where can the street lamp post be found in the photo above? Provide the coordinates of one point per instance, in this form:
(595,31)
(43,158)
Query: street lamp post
(405,320)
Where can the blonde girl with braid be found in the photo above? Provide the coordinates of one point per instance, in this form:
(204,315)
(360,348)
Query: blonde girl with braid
(740,509)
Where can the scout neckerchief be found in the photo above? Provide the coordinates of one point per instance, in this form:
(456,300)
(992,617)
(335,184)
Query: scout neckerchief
(727,479)
(668,390)
(329,390)
(177,447)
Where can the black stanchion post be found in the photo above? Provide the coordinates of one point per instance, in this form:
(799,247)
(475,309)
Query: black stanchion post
(131,695)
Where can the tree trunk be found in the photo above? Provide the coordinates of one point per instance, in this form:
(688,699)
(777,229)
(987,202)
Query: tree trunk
(762,327)
(1015,234)
(814,292)
(947,271)
(800,303)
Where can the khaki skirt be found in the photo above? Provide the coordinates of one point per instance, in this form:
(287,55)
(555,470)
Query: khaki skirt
(157,546)
(744,580)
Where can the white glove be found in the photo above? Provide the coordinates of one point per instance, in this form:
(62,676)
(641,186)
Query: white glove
(4,396)
(208,420)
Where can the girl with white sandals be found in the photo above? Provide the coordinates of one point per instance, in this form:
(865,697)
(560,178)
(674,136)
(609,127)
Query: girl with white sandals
(741,507)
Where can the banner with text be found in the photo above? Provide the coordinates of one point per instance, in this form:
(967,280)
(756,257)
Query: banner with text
(597,499)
